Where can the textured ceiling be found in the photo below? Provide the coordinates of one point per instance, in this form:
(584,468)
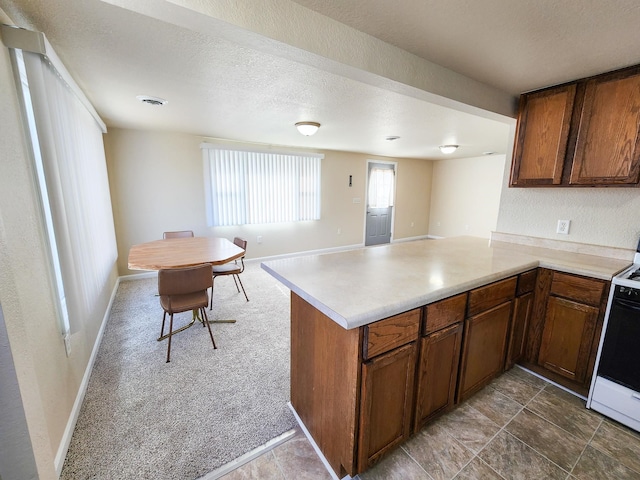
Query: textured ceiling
(244,71)
(514,45)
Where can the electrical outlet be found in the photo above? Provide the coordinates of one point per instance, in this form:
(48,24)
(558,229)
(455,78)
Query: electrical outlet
(563,227)
(259,239)
(339,230)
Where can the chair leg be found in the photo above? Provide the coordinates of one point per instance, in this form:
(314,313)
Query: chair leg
(211,300)
(163,319)
(234,281)
(170,335)
(206,320)
(245,293)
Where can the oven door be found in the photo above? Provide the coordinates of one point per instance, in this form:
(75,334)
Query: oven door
(620,356)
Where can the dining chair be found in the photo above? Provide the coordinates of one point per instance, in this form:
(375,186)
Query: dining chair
(178,234)
(232,268)
(181,290)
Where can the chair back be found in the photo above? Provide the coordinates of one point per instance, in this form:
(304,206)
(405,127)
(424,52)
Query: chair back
(178,234)
(240,242)
(181,281)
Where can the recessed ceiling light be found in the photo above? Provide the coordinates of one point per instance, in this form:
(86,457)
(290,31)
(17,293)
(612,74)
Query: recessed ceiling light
(448,148)
(392,138)
(152,100)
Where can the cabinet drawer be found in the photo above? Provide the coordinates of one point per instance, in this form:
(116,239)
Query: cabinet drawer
(392,332)
(446,312)
(580,289)
(490,296)
(526,282)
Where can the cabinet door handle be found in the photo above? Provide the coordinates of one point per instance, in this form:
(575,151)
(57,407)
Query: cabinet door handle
(636,396)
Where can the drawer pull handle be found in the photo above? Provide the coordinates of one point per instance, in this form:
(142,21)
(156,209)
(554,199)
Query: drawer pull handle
(636,396)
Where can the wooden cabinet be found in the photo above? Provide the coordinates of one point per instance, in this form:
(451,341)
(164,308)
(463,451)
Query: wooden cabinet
(565,328)
(485,335)
(388,378)
(522,309)
(584,133)
(607,149)
(386,403)
(439,358)
(353,389)
(566,338)
(541,137)
(360,392)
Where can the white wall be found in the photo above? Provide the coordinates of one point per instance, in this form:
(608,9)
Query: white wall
(48,380)
(25,294)
(599,216)
(465,196)
(157,185)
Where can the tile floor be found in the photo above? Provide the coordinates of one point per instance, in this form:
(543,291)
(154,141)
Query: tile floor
(519,427)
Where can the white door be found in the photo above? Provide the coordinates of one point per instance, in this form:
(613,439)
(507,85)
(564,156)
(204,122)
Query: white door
(380,194)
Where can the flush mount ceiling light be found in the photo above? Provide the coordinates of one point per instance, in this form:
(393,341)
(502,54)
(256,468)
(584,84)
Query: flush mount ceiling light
(448,148)
(152,100)
(307,128)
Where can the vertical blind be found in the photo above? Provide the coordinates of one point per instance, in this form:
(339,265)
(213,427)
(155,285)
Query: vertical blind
(68,146)
(249,187)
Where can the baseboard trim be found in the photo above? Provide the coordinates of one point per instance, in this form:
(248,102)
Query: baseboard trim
(411,239)
(304,253)
(77,404)
(313,443)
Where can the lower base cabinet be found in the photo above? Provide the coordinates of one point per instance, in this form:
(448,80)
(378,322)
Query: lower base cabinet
(483,350)
(565,328)
(437,373)
(386,403)
(567,338)
(362,392)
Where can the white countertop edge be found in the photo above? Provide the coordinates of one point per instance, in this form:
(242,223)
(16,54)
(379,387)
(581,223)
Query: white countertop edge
(401,307)
(553,265)
(339,319)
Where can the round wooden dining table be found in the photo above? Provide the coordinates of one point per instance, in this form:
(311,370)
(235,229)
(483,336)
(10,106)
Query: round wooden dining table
(182,252)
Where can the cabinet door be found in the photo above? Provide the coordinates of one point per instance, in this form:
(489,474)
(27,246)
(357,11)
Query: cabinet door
(484,348)
(522,308)
(386,403)
(567,336)
(437,373)
(541,139)
(608,143)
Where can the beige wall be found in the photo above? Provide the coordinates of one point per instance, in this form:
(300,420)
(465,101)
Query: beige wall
(49,381)
(599,216)
(465,196)
(157,185)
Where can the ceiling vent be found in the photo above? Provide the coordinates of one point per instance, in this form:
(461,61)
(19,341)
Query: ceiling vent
(152,100)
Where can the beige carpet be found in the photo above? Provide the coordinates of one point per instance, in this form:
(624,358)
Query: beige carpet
(143,418)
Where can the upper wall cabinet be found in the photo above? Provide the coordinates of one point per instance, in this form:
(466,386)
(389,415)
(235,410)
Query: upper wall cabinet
(584,133)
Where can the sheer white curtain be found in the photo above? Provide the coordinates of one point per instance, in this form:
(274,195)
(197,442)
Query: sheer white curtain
(380,188)
(69,141)
(244,187)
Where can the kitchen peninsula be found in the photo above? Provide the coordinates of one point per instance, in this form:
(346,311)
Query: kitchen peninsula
(385,338)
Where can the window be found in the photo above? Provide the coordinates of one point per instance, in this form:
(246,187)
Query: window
(248,187)
(70,166)
(381,187)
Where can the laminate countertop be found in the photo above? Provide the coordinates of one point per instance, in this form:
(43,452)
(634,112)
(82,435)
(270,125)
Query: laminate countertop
(360,286)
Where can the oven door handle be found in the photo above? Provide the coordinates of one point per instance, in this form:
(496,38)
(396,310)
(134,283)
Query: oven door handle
(627,304)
